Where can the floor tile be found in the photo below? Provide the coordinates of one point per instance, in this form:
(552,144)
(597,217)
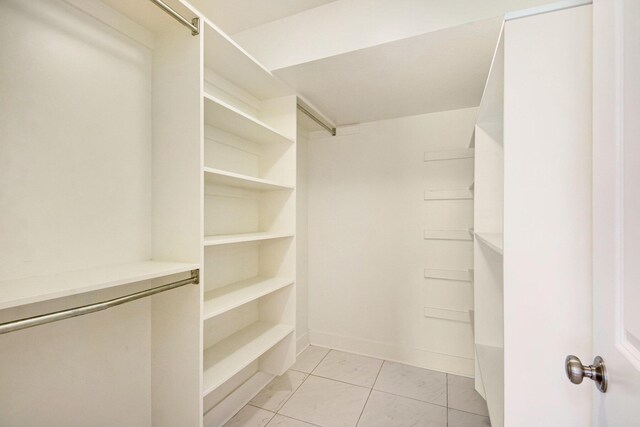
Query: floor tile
(282,421)
(309,359)
(465,419)
(388,410)
(463,396)
(250,416)
(350,368)
(416,383)
(326,402)
(273,396)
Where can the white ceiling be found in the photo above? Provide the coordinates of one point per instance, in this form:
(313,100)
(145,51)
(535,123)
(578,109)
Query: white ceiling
(234,16)
(437,71)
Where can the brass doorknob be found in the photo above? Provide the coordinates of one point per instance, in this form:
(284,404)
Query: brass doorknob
(576,371)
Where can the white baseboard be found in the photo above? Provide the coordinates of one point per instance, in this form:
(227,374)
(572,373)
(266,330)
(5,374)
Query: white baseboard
(408,355)
(302,342)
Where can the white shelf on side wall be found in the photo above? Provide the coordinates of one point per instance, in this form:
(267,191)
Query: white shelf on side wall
(453,275)
(448,235)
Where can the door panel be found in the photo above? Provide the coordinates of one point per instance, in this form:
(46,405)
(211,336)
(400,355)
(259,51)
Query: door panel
(616,198)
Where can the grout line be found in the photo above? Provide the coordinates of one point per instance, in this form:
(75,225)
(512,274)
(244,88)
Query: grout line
(369,395)
(413,398)
(321,360)
(291,418)
(292,393)
(339,381)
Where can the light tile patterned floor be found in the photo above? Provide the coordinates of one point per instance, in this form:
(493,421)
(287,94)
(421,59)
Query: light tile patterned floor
(331,388)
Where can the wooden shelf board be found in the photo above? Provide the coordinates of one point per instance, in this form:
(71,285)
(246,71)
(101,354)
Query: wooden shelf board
(447,235)
(492,240)
(225,239)
(34,289)
(461,153)
(491,363)
(226,58)
(221,300)
(459,194)
(228,357)
(453,275)
(219,114)
(232,179)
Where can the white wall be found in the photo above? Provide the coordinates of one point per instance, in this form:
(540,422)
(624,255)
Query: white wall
(367,255)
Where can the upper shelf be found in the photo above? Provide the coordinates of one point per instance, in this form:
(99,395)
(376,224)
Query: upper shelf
(227,59)
(219,114)
(461,153)
(231,179)
(34,289)
(492,240)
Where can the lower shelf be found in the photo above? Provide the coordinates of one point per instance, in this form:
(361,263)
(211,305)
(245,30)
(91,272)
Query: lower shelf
(221,300)
(34,289)
(491,363)
(226,358)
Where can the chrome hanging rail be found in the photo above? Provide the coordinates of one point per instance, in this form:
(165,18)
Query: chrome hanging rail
(29,322)
(194,25)
(329,129)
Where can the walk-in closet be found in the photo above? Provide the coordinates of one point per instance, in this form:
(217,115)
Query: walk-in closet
(312,213)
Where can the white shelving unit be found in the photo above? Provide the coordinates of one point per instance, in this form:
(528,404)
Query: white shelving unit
(532,213)
(249,176)
(488,262)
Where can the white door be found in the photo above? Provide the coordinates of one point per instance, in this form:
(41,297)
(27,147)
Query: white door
(616,209)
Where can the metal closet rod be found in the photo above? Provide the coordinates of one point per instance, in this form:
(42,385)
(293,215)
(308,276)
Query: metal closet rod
(29,322)
(329,129)
(194,25)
